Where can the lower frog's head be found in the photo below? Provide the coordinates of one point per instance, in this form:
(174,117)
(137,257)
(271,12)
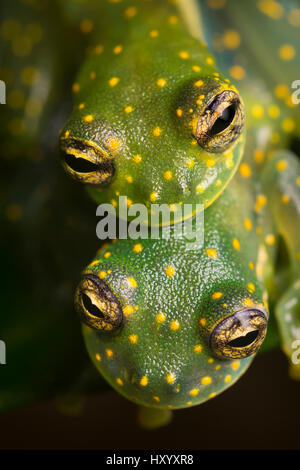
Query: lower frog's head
(154,121)
(169,329)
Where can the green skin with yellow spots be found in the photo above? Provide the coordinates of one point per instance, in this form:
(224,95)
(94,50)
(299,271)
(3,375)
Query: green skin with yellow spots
(140,109)
(172,298)
(136,109)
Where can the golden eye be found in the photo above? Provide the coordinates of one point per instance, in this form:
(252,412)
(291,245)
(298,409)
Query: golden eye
(97,305)
(239,335)
(221,123)
(86,163)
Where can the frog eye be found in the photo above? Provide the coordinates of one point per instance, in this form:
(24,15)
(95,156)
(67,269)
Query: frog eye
(97,305)
(86,163)
(239,335)
(221,123)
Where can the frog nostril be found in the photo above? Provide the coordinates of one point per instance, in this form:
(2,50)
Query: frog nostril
(243,341)
(80,165)
(90,307)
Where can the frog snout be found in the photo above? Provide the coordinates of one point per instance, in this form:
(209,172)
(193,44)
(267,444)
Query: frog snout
(240,334)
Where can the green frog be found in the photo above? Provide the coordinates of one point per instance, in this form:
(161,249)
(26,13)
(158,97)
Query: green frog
(169,326)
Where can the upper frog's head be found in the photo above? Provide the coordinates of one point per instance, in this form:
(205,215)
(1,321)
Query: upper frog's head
(169,327)
(154,121)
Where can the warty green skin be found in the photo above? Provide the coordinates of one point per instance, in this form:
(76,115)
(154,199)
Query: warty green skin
(136,101)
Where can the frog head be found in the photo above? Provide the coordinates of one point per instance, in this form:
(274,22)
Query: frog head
(167,327)
(153,120)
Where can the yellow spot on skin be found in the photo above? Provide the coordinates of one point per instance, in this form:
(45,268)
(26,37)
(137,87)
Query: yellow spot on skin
(217,295)
(270,239)
(132,282)
(129,179)
(170,271)
(202,321)
(288,125)
(88,118)
(248,302)
(196,68)
(173,19)
(157,131)
(227,379)
(92,75)
(281,91)
(75,87)
(109,353)
(160,318)
(168,175)
(281,165)
(153,197)
(206,380)
(211,253)
(190,163)
(245,170)
(98,357)
(199,189)
(210,163)
(119,381)
(285,199)
(271,8)
(157,399)
(144,381)
(67,133)
(188,403)
(102,274)
(274,112)
(99,49)
(261,201)
(248,224)
(218,367)
(138,247)
(128,310)
(298,181)
(236,244)
(128,109)
(194,392)
(212,395)
(130,12)
(113,81)
(235,365)
(137,158)
(287,52)
(231,39)
(86,26)
(237,72)
(174,325)
(198,348)
(170,378)
(133,339)
(179,112)
(118,49)
(161,82)
(257,111)
(107,254)
(184,55)
(259,155)
(210,61)
(251,287)
(198,83)
(81,106)
(210,360)
(114,144)
(154,33)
